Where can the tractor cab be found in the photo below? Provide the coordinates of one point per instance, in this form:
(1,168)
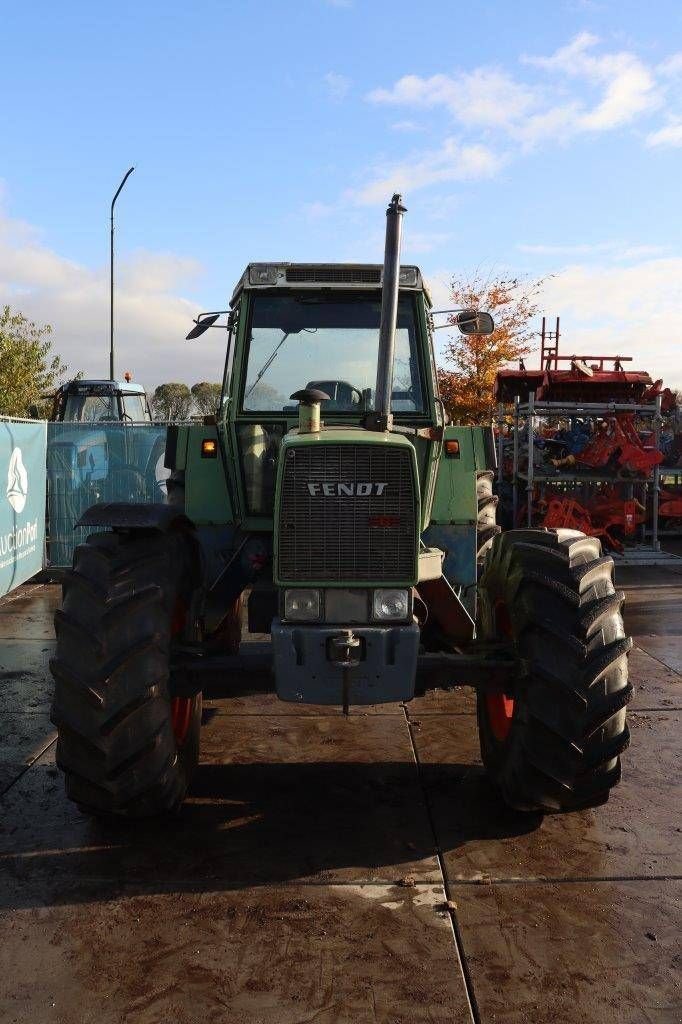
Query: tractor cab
(100,401)
(327,336)
(316,327)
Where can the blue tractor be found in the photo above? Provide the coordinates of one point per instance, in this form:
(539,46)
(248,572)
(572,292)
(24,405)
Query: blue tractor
(102,446)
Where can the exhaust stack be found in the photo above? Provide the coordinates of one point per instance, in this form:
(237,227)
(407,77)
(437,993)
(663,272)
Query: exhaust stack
(382,419)
(309,401)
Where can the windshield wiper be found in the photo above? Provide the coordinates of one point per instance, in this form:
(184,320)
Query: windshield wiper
(271,358)
(269,361)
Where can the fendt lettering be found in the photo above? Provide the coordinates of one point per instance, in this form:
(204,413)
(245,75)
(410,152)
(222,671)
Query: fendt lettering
(369,553)
(349,490)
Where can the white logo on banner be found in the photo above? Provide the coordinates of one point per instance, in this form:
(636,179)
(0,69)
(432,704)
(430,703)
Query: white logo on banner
(17,481)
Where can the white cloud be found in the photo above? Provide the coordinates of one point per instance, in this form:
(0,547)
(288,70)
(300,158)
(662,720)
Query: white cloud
(630,91)
(156,272)
(338,85)
(485,96)
(419,242)
(622,311)
(670,135)
(317,210)
(441,207)
(570,58)
(564,250)
(616,250)
(152,317)
(671,67)
(584,91)
(440,287)
(614,309)
(629,87)
(638,252)
(452,162)
(556,123)
(406,126)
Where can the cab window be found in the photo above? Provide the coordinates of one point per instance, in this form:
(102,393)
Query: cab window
(330,342)
(135,408)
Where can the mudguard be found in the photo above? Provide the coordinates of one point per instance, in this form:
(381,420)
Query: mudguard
(126,516)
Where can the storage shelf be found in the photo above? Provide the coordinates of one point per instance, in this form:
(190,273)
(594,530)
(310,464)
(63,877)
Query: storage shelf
(585,409)
(575,478)
(524,480)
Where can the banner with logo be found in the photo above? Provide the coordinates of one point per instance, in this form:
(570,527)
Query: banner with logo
(22,501)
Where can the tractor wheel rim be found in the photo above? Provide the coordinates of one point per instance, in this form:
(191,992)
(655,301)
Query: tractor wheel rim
(181,707)
(181,718)
(500,707)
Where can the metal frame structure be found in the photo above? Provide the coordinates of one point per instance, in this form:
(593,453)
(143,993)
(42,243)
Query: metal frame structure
(676,473)
(528,411)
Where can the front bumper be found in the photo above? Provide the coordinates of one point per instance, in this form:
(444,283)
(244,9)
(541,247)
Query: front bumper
(305,674)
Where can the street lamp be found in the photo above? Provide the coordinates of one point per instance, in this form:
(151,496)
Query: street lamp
(111,277)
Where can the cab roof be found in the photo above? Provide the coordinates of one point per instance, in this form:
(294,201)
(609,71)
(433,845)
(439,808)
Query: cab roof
(346,276)
(82,386)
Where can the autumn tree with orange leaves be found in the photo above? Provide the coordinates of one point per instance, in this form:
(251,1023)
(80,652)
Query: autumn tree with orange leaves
(467,389)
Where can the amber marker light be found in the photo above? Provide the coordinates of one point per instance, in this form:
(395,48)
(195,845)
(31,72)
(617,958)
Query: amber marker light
(452,449)
(209,448)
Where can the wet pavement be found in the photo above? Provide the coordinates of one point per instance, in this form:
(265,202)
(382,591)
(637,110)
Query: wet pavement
(342,871)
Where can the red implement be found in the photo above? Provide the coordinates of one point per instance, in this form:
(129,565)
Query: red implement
(619,444)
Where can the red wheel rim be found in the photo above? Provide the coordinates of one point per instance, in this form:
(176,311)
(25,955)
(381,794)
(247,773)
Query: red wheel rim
(181,707)
(181,717)
(499,706)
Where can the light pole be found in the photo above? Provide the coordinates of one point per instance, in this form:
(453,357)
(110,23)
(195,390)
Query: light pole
(111,276)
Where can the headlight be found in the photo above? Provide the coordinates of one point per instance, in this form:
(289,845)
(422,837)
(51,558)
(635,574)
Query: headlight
(263,273)
(408,276)
(302,605)
(390,604)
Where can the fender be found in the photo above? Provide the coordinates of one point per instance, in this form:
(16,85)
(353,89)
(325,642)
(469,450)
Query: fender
(121,515)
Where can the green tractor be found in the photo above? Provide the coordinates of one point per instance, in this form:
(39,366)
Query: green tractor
(330,494)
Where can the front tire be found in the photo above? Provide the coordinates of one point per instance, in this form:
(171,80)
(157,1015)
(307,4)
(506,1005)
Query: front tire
(124,746)
(553,743)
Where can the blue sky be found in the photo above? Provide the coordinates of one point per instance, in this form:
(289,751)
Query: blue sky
(528,137)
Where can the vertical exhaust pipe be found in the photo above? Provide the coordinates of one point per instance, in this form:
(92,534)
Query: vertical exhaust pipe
(309,402)
(382,419)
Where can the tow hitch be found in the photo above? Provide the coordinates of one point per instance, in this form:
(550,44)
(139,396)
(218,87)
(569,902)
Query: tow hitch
(344,651)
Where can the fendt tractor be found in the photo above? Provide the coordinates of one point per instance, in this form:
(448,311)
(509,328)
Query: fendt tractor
(331,497)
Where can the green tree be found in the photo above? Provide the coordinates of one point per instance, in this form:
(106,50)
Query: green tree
(172,401)
(467,390)
(27,367)
(263,397)
(206,397)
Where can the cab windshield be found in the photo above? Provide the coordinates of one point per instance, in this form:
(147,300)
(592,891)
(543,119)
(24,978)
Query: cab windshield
(329,342)
(92,408)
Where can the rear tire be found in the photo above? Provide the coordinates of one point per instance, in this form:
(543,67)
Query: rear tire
(116,741)
(554,743)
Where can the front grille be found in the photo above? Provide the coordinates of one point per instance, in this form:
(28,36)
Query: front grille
(342,537)
(334,275)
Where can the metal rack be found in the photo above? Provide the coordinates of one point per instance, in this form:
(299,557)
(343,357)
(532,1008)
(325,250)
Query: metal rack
(676,473)
(531,409)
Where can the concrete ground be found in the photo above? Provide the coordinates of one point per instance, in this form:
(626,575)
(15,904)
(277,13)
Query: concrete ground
(342,871)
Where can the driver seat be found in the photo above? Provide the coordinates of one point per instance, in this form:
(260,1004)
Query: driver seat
(343,397)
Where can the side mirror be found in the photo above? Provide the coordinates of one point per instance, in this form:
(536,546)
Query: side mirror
(204,321)
(471,321)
